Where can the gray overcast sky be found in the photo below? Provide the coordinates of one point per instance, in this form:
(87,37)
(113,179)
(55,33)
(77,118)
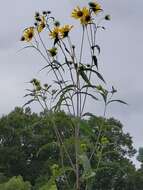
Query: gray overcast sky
(121,55)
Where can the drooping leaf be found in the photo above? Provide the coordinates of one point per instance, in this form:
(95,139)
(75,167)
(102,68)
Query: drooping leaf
(120,101)
(45,67)
(66,89)
(88,86)
(97,73)
(88,114)
(60,102)
(91,95)
(29,102)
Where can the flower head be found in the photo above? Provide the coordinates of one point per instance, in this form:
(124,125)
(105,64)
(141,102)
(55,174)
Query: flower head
(28,34)
(53,51)
(64,31)
(95,7)
(54,34)
(82,14)
(77,13)
(86,18)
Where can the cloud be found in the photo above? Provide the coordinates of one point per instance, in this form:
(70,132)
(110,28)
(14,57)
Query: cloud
(120,60)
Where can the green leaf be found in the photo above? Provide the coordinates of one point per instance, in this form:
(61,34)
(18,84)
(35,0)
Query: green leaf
(84,76)
(94,58)
(89,86)
(85,162)
(86,129)
(66,89)
(30,94)
(88,172)
(45,67)
(58,63)
(29,102)
(45,147)
(88,114)
(120,101)
(97,73)
(91,95)
(60,101)
(49,186)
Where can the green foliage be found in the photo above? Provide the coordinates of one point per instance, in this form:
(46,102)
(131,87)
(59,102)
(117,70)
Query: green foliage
(140,155)
(16,183)
(30,148)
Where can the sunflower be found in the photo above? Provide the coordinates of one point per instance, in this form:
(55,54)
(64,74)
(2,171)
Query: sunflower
(64,31)
(82,14)
(77,13)
(28,34)
(54,34)
(86,18)
(41,25)
(95,7)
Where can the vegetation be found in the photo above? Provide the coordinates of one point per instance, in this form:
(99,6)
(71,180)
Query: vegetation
(29,149)
(66,147)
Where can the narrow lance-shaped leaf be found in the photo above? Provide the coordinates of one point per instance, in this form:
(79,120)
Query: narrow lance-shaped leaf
(88,114)
(84,76)
(97,73)
(91,95)
(29,102)
(120,101)
(65,89)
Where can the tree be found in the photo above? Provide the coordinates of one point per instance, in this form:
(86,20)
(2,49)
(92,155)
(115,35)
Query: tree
(29,148)
(15,183)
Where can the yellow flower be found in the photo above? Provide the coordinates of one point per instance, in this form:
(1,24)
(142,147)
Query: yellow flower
(41,25)
(77,13)
(86,18)
(95,7)
(64,31)
(53,51)
(28,34)
(82,14)
(55,33)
